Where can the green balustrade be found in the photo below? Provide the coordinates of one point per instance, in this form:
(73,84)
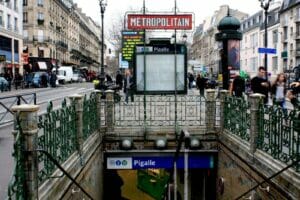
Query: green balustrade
(279,133)
(16,185)
(57,135)
(90,120)
(237,117)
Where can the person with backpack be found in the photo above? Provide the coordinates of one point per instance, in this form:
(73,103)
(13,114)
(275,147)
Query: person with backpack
(238,86)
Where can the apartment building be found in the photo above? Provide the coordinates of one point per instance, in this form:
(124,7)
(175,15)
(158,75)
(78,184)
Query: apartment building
(11,36)
(253,30)
(205,48)
(57,32)
(290,34)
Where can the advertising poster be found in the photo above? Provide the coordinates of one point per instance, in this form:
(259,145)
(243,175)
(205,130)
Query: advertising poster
(233,54)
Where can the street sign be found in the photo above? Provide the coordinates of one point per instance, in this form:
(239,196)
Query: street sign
(160,21)
(163,162)
(267,50)
(129,40)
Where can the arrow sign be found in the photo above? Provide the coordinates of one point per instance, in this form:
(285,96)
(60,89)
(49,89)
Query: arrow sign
(267,50)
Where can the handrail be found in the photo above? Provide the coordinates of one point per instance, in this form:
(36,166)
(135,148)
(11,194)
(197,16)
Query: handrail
(180,141)
(269,178)
(64,171)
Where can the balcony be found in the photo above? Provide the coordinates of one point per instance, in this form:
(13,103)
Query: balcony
(41,39)
(40,21)
(62,44)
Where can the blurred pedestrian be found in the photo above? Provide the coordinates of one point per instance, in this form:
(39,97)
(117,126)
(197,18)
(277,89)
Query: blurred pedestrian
(119,80)
(238,86)
(201,84)
(191,80)
(8,77)
(128,86)
(260,85)
(278,90)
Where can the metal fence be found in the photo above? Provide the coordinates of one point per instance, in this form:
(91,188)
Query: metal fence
(167,110)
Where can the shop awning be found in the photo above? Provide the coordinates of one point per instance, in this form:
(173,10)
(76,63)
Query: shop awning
(42,65)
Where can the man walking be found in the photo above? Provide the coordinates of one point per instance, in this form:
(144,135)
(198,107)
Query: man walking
(259,84)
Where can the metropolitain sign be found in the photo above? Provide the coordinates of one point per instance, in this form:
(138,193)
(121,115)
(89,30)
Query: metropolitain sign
(180,21)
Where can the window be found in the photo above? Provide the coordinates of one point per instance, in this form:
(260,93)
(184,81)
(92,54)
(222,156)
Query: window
(1,18)
(25,34)
(24,2)
(253,63)
(15,5)
(16,24)
(276,16)
(40,16)
(25,17)
(275,63)
(40,35)
(8,22)
(275,36)
(40,2)
(285,33)
(253,40)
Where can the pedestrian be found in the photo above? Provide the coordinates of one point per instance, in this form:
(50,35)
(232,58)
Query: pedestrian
(119,80)
(238,86)
(128,86)
(8,77)
(278,90)
(53,79)
(191,80)
(201,84)
(260,85)
(18,79)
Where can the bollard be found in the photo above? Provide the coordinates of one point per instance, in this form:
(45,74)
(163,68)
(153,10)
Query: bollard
(210,110)
(110,110)
(78,102)
(255,100)
(28,119)
(223,95)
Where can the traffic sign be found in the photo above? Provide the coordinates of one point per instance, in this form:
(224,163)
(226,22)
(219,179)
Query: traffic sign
(267,50)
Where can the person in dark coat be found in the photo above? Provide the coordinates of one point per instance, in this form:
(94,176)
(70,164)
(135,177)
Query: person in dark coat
(201,84)
(128,86)
(238,86)
(119,80)
(8,77)
(53,79)
(260,85)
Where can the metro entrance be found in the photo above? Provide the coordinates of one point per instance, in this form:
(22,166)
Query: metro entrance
(146,175)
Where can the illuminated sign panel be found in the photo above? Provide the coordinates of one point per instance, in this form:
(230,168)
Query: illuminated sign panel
(129,40)
(180,21)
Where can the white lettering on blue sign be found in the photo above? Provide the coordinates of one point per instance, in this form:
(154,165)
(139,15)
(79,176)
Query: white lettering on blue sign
(147,163)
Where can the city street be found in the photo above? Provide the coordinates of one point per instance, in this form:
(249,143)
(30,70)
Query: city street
(44,95)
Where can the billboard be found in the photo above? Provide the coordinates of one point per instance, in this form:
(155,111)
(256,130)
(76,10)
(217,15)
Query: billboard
(129,40)
(233,54)
(160,21)
(161,66)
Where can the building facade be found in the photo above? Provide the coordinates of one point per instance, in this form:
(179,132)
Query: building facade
(58,33)
(11,40)
(253,30)
(290,34)
(205,49)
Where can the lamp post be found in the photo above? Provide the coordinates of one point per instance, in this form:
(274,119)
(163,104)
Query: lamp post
(102,10)
(265,4)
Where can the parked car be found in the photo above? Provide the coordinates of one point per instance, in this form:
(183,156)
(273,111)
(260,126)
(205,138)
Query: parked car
(3,84)
(37,80)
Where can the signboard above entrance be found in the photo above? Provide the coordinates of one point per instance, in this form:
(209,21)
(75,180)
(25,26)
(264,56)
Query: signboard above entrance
(179,22)
(129,40)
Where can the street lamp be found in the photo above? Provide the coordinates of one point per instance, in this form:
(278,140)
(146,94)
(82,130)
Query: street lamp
(102,10)
(265,4)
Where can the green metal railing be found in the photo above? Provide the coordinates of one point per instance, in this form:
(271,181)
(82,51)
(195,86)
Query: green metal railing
(237,117)
(16,185)
(161,111)
(57,135)
(279,133)
(90,118)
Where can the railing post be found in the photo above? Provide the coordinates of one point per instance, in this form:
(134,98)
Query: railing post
(77,100)
(27,119)
(255,100)
(223,95)
(110,110)
(210,110)
(98,95)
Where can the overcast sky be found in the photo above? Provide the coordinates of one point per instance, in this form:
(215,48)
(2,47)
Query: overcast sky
(201,8)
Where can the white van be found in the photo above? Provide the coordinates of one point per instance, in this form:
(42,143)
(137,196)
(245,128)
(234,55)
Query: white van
(64,74)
